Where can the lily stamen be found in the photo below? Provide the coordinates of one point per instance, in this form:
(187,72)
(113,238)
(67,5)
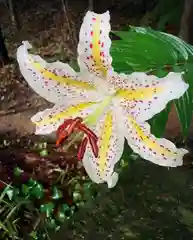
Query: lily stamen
(94,146)
(71,125)
(82,148)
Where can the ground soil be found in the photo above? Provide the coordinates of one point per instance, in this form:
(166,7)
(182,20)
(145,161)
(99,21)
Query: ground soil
(150,202)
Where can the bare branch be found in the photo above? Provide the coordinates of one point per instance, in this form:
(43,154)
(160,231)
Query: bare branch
(91,5)
(13,14)
(71,30)
(186,22)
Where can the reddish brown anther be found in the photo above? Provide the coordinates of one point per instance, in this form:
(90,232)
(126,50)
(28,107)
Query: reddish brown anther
(82,148)
(71,125)
(94,147)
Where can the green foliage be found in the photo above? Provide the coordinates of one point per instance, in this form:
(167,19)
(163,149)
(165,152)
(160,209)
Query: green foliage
(154,52)
(168,11)
(44,209)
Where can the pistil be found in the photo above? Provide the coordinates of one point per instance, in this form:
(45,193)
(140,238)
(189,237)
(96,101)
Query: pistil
(69,127)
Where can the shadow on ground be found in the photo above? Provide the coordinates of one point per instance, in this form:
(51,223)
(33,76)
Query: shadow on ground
(149,202)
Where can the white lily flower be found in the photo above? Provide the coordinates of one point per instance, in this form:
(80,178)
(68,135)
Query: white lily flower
(114,106)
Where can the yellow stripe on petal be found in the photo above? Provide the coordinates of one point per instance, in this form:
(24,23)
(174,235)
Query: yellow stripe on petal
(106,134)
(96,49)
(95,41)
(63,80)
(94,44)
(148,142)
(68,112)
(139,93)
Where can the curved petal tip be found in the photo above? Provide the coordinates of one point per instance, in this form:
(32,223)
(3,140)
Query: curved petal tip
(112,181)
(26,44)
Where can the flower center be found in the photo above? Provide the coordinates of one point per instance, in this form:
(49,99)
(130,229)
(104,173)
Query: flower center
(93,118)
(102,85)
(69,127)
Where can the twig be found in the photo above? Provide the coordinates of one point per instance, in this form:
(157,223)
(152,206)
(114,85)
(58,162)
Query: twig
(13,14)
(70,28)
(90,5)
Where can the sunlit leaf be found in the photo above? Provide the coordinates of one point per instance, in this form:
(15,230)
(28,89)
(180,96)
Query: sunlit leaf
(56,193)
(17,171)
(159,122)
(33,235)
(51,222)
(25,189)
(184,105)
(47,208)
(154,52)
(31,182)
(10,193)
(76,196)
(8,190)
(44,153)
(37,191)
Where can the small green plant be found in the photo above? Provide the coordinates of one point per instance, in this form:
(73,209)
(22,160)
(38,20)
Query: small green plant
(45,211)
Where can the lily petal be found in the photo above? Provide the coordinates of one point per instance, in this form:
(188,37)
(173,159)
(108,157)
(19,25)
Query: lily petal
(49,120)
(94,44)
(111,144)
(157,150)
(53,81)
(143,96)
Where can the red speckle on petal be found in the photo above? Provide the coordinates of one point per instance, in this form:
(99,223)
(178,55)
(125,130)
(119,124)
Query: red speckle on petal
(46,83)
(102,45)
(91,33)
(102,54)
(91,45)
(87,58)
(94,19)
(99,42)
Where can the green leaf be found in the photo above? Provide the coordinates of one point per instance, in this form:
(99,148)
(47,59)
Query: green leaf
(17,171)
(47,209)
(139,51)
(3,227)
(147,50)
(56,193)
(87,186)
(37,191)
(64,212)
(25,189)
(61,216)
(184,105)
(68,211)
(10,193)
(33,234)
(52,223)
(158,122)
(31,182)
(8,190)
(44,153)
(76,196)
